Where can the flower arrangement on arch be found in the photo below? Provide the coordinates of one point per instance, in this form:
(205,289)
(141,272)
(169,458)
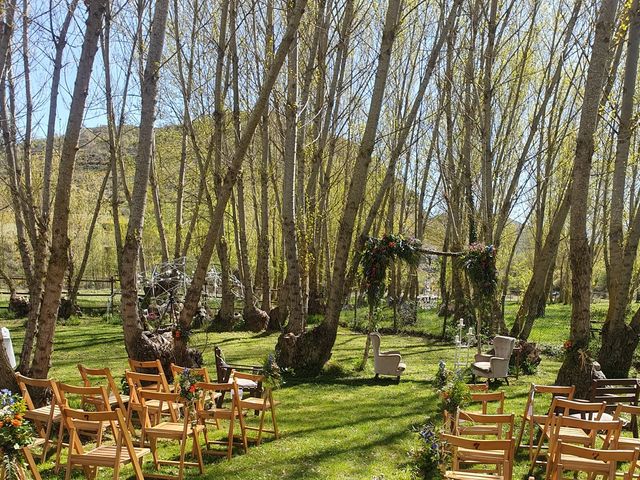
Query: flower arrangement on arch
(377,255)
(185,384)
(480,264)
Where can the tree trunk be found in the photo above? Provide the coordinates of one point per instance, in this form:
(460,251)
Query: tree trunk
(618,339)
(573,370)
(57,264)
(139,344)
(193,293)
(309,351)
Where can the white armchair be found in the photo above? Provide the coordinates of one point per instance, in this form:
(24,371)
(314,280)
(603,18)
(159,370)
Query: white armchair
(495,365)
(386,363)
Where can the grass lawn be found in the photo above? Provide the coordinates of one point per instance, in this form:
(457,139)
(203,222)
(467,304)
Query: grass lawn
(340,425)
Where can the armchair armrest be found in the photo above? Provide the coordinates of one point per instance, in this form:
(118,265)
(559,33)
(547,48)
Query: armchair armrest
(483,357)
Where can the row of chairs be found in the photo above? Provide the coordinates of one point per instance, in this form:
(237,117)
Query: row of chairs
(572,436)
(157,408)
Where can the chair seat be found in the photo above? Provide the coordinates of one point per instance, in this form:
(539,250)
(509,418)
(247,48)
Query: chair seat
(170,430)
(472,476)
(245,383)
(482,366)
(573,462)
(105,455)
(155,405)
(605,417)
(573,435)
(42,414)
(628,443)
(255,403)
(219,413)
(113,401)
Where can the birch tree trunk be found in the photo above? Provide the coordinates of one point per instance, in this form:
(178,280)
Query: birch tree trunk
(620,340)
(139,344)
(57,264)
(309,351)
(574,371)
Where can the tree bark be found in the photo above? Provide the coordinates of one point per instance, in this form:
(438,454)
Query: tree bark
(139,345)
(574,371)
(620,340)
(309,351)
(57,264)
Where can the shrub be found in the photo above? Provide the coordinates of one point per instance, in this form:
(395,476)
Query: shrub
(430,455)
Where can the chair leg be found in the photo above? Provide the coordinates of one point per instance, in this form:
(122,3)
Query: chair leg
(58,447)
(198,451)
(183,448)
(274,421)
(230,438)
(260,427)
(31,463)
(153,443)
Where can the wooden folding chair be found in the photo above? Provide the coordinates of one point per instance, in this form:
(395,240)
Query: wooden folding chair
(473,424)
(43,417)
(562,406)
(533,419)
(149,381)
(86,428)
(621,413)
(207,410)
(578,431)
(172,430)
(592,461)
(104,377)
(614,392)
(489,452)
(263,404)
(202,372)
(111,456)
(146,366)
(478,387)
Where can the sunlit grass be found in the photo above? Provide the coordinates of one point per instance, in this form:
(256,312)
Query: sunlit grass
(341,427)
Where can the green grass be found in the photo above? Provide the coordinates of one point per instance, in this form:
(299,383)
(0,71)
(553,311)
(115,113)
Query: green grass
(333,427)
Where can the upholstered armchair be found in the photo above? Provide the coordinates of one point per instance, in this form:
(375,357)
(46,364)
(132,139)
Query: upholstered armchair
(495,365)
(386,363)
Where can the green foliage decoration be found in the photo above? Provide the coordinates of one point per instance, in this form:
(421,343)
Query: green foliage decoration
(480,264)
(378,254)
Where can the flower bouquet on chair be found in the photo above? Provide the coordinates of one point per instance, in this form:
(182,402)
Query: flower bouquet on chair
(185,384)
(15,433)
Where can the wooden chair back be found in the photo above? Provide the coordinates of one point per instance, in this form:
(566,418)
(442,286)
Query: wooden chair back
(146,366)
(495,425)
(498,452)
(42,383)
(609,431)
(493,399)
(622,411)
(478,387)
(617,391)
(592,461)
(123,441)
(201,372)
(68,392)
(104,376)
(172,400)
(150,382)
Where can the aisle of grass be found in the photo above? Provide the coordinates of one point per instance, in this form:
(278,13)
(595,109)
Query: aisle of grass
(340,425)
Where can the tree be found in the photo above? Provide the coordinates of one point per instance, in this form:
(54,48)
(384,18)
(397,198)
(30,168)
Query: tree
(574,371)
